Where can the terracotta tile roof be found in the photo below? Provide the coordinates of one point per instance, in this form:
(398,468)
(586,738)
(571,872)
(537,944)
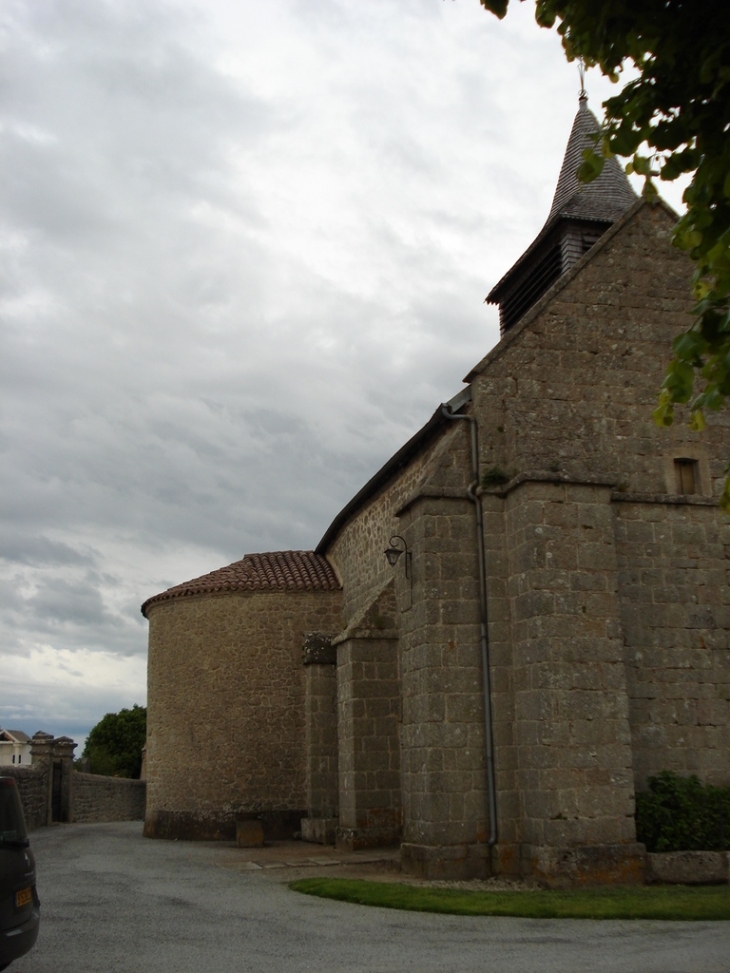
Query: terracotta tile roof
(277,571)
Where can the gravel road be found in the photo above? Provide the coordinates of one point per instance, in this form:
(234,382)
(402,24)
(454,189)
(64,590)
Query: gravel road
(114,902)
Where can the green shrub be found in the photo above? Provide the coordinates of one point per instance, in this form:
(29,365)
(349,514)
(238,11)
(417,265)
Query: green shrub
(114,745)
(683,814)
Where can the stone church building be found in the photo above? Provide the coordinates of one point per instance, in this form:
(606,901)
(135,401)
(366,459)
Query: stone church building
(553,626)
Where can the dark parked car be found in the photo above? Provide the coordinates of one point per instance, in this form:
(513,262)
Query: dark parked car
(19,905)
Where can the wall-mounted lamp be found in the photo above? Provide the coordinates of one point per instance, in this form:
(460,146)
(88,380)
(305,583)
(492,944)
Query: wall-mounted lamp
(393,553)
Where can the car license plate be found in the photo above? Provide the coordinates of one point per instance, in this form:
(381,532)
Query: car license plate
(23,897)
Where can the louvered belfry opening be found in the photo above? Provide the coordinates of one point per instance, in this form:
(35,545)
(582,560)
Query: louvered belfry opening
(580,214)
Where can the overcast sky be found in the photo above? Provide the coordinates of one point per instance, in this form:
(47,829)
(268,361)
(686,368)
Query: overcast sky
(245,248)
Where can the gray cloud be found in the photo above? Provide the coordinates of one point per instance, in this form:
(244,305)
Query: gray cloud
(245,248)
(71,603)
(18,547)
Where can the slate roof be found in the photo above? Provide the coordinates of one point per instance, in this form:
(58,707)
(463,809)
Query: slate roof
(18,735)
(604,200)
(608,196)
(277,571)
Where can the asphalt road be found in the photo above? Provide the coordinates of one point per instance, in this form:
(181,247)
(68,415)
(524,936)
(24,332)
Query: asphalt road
(114,902)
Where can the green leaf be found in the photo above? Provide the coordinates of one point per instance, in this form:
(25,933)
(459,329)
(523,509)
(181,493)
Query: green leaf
(689,346)
(497,7)
(679,381)
(591,167)
(642,165)
(664,413)
(713,398)
(626,141)
(686,237)
(545,16)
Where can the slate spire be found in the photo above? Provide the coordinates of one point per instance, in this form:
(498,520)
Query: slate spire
(608,196)
(579,215)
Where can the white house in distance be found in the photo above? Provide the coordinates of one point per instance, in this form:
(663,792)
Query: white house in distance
(15,747)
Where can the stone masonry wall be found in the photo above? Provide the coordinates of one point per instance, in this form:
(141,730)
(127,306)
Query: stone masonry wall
(568,394)
(368,705)
(357,552)
(92,798)
(572,388)
(442,735)
(96,798)
(321,740)
(226,709)
(571,705)
(607,592)
(32,785)
(675,613)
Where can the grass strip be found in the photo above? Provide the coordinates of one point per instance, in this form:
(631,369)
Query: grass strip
(676,902)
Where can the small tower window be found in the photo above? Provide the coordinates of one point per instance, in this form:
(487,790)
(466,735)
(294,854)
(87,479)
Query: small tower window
(686,475)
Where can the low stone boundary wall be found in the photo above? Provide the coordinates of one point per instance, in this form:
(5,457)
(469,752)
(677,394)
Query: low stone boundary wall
(96,799)
(51,791)
(688,867)
(33,789)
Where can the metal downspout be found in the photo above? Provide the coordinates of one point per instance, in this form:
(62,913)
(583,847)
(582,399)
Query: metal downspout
(483,621)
